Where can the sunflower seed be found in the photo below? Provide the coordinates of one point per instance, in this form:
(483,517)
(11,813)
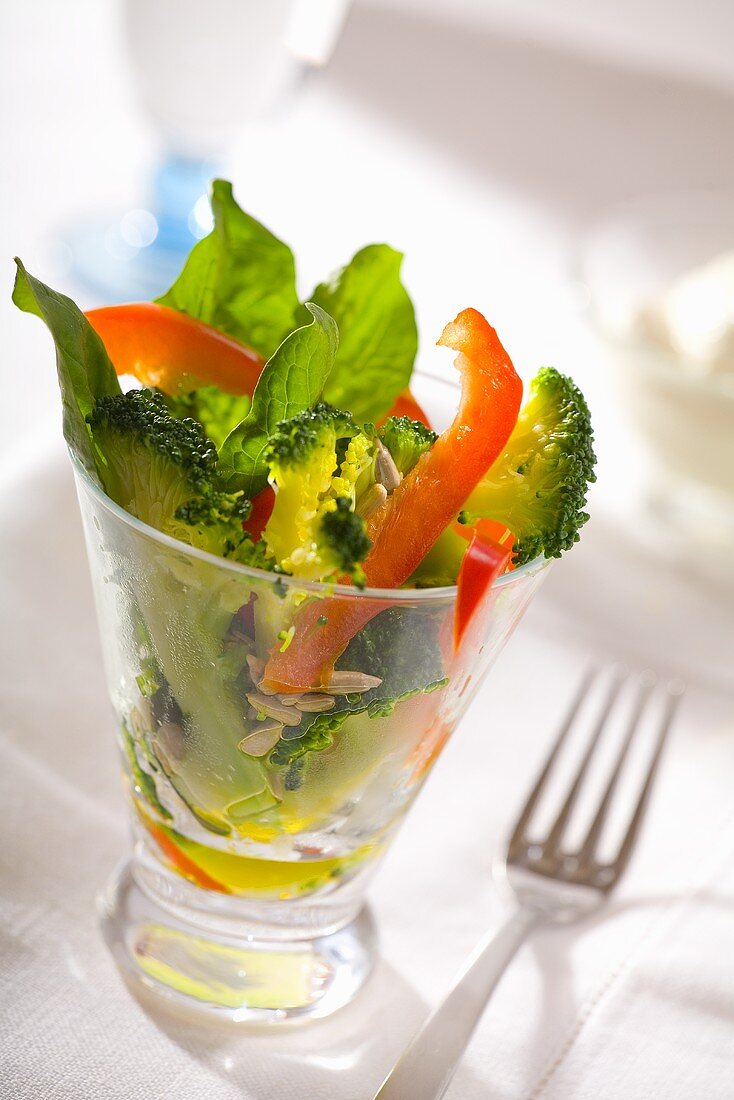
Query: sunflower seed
(256,666)
(168,767)
(370,501)
(169,743)
(291,700)
(345,683)
(386,471)
(264,704)
(141,719)
(315,703)
(262,739)
(263,688)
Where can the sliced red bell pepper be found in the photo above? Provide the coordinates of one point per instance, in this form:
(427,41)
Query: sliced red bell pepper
(482,563)
(183,864)
(406,405)
(170,350)
(426,501)
(491,528)
(262,507)
(422,506)
(430,747)
(176,353)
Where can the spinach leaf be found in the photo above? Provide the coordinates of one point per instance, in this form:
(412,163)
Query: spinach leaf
(292,381)
(241,279)
(84,369)
(378,334)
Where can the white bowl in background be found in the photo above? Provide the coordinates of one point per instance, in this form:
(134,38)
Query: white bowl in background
(684,418)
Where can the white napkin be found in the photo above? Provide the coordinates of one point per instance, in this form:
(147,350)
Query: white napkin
(632,1005)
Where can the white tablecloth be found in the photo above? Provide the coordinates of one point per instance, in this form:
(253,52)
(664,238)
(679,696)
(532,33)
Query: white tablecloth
(480,152)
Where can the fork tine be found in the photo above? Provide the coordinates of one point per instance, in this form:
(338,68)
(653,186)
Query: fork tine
(529,807)
(643,695)
(559,824)
(674,694)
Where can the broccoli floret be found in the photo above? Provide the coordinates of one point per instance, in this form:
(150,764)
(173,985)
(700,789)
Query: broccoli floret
(162,470)
(406,440)
(254,554)
(314,734)
(297,440)
(217,412)
(313,531)
(344,538)
(403,648)
(538,486)
(152,463)
(212,521)
(398,646)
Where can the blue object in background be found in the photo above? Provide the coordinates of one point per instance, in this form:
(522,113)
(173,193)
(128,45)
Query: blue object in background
(137,256)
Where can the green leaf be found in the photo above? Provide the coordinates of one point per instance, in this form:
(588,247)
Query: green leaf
(84,369)
(241,279)
(292,381)
(378,334)
(217,412)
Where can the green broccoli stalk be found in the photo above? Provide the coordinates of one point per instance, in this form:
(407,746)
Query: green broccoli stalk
(538,487)
(161,470)
(406,440)
(441,565)
(356,461)
(187,617)
(313,531)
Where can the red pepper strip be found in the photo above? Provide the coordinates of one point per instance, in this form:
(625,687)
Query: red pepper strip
(482,563)
(170,350)
(323,630)
(423,505)
(262,507)
(182,863)
(491,529)
(175,353)
(406,405)
(430,747)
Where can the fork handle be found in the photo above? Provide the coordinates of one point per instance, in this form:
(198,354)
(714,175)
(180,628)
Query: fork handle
(425,1070)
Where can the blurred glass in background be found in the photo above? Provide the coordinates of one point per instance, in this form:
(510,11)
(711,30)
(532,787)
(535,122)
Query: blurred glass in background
(202,73)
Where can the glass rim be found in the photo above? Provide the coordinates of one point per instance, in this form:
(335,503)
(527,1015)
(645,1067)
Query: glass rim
(322,588)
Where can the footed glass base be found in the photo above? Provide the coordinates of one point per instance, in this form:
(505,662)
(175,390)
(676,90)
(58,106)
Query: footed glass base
(228,970)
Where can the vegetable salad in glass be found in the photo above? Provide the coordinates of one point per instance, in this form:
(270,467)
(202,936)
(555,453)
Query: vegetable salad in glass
(303,567)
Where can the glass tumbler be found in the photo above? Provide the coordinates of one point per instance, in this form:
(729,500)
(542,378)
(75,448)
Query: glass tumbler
(258,818)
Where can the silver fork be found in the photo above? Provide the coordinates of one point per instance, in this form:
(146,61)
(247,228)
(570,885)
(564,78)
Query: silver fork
(551,883)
